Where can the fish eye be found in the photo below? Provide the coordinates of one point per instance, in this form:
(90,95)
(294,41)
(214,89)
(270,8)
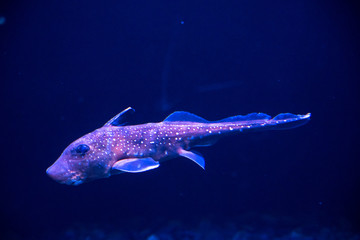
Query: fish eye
(82,149)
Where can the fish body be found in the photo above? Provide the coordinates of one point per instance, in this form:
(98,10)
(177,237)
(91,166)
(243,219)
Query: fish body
(114,148)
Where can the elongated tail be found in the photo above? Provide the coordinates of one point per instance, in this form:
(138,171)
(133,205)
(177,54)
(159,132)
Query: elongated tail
(206,133)
(261,121)
(201,132)
(249,121)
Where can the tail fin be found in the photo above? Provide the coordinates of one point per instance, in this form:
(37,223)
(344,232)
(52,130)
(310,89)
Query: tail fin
(262,121)
(289,120)
(243,118)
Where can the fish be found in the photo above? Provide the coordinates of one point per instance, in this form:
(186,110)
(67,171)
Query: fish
(118,147)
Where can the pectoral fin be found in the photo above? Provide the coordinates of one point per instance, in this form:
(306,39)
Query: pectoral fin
(136,165)
(195,157)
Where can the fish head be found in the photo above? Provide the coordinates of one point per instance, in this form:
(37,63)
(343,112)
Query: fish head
(84,160)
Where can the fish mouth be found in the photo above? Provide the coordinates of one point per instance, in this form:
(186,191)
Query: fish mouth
(73,182)
(61,174)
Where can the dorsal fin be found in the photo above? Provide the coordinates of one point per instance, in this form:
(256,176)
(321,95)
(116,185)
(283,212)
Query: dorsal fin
(181,116)
(119,119)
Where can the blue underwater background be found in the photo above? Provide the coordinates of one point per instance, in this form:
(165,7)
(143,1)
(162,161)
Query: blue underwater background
(67,67)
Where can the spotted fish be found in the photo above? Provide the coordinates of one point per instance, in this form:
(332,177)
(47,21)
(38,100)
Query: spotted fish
(116,147)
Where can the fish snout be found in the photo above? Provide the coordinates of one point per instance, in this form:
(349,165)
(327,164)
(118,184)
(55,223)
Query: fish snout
(60,173)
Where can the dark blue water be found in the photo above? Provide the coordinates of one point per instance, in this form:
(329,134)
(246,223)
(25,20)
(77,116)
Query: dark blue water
(67,67)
